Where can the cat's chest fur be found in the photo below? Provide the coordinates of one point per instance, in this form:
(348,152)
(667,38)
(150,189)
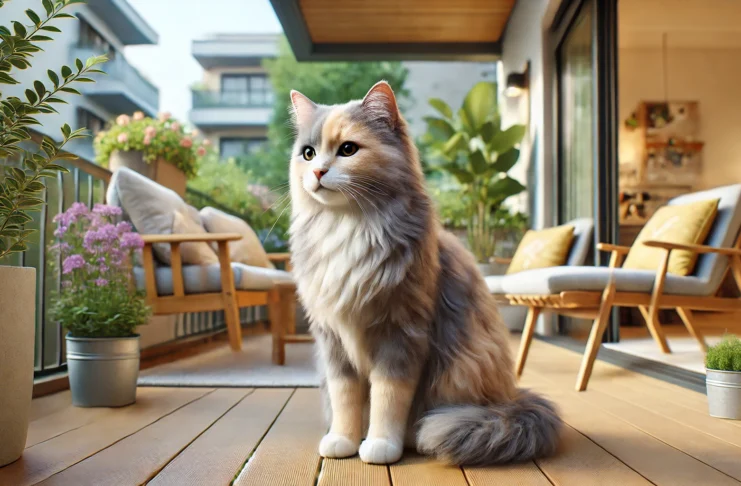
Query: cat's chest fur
(339,267)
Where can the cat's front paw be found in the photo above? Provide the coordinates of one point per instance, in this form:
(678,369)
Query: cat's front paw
(380,451)
(337,446)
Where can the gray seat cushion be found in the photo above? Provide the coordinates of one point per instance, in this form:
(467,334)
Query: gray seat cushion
(494,282)
(554,280)
(198,279)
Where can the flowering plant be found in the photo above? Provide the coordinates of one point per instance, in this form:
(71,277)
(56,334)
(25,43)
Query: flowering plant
(97,298)
(161,138)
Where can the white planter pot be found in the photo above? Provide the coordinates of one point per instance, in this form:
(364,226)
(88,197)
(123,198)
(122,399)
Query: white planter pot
(160,171)
(724,394)
(17,332)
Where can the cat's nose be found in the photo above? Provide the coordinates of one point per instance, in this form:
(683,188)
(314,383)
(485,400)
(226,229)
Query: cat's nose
(319,173)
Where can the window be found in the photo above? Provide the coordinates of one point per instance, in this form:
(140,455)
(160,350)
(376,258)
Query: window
(238,146)
(91,38)
(246,89)
(89,120)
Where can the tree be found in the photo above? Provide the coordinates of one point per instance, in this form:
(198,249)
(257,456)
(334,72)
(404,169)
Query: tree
(326,83)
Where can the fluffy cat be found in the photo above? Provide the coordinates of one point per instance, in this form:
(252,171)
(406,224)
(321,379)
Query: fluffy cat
(401,315)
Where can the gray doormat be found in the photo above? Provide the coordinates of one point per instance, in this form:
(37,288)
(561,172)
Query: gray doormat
(252,367)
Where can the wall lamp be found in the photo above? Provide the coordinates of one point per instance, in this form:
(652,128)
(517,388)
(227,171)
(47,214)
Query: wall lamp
(516,83)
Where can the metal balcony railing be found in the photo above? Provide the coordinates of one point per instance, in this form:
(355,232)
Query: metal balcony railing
(232,99)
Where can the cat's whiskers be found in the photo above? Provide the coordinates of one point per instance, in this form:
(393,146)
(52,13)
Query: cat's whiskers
(278,219)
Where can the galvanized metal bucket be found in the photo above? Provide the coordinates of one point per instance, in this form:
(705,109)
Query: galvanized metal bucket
(724,394)
(103,371)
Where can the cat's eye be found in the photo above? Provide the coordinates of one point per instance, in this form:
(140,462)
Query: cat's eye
(347,149)
(308,153)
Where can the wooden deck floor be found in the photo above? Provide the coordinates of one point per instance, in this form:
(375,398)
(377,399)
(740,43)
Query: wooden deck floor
(627,429)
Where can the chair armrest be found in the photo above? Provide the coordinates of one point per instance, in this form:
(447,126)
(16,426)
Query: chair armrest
(191,238)
(616,248)
(693,248)
(502,260)
(279,257)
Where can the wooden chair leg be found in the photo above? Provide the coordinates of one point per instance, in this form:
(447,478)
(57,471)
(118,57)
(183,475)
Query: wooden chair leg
(654,327)
(527,338)
(277,322)
(595,337)
(229,298)
(687,316)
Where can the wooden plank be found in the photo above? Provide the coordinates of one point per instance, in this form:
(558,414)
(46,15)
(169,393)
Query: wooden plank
(47,458)
(416,470)
(49,404)
(526,474)
(218,455)
(191,238)
(288,456)
(352,471)
(150,449)
(581,461)
(58,423)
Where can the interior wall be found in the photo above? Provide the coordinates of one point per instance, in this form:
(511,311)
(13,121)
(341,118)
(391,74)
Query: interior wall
(709,75)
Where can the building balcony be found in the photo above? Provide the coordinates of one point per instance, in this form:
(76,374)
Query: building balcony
(218,109)
(124,21)
(228,50)
(123,90)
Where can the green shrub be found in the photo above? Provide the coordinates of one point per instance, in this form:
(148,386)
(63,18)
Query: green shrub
(725,356)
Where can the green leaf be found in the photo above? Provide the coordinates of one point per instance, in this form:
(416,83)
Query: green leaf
(506,160)
(31,96)
(66,72)
(19,29)
(463,176)
(48,6)
(454,144)
(488,129)
(40,88)
(63,15)
(34,18)
(40,38)
(53,77)
(80,66)
(82,79)
(50,28)
(504,188)
(53,99)
(439,128)
(480,103)
(18,246)
(19,63)
(6,79)
(19,218)
(505,140)
(442,107)
(69,90)
(478,162)
(66,130)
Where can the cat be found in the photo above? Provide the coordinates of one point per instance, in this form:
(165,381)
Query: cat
(403,320)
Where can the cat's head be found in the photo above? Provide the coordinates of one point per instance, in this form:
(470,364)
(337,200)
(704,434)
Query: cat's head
(356,156)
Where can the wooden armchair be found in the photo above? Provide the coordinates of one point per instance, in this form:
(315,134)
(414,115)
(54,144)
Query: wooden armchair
(591,292)
(279,297)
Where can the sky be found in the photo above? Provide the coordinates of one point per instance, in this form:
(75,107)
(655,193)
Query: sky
(169,65)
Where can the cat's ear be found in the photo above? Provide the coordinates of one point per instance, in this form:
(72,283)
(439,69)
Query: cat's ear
(381,102)
(303,107)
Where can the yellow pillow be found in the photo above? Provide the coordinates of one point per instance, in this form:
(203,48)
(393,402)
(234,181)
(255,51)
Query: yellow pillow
(542,248)
(684,223)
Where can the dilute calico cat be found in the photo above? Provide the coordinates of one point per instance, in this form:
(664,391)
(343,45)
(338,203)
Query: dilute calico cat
(405,326)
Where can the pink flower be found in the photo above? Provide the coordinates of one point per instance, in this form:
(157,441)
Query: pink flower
(201,151)
(122,138)
(123,120)
(163,117)
(207,143)
(150,131)
(138,115)
(175,127)
(195,133)
(147,140)
(186,142)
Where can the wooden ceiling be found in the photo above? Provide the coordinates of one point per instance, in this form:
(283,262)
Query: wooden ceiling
(405,21)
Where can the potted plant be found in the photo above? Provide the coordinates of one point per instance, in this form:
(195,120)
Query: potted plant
(99,305)
(471,146)
(21,193)
(723,378)
(158,148)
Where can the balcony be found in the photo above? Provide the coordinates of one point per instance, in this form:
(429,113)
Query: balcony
(123,90)
(228,50)
(218,109)
(124,21)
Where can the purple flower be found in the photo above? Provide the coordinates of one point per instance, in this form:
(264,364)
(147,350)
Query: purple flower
(101,282)
(72,214)
(105,210)
(72,262)
(132,240)
(60,231)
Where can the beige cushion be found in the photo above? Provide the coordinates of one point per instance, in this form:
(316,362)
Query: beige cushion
(151,209)
(248,250)
(192,253)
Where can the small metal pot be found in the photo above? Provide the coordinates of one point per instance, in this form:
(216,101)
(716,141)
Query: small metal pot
(724,393)
(103,371)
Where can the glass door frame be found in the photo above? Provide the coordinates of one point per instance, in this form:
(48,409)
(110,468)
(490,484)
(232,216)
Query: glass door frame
(605,121)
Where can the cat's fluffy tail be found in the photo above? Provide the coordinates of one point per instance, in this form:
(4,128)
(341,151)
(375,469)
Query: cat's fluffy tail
(524,429)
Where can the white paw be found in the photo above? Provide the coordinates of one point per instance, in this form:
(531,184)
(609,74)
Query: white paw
(380,451)
(337,446)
